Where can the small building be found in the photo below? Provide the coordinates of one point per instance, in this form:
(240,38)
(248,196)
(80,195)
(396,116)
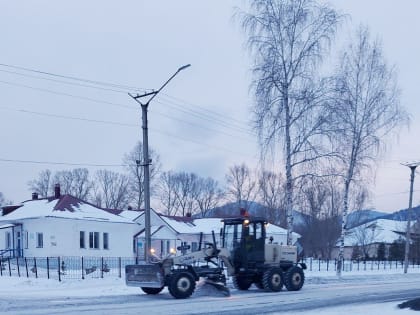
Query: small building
(364,240)
(64,225)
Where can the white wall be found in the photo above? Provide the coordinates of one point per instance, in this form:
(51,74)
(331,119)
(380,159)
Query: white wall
(61,237)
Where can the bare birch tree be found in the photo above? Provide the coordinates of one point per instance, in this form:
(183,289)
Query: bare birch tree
(241,185)
(133,162)
(288,39)
(366,110)
(42,186)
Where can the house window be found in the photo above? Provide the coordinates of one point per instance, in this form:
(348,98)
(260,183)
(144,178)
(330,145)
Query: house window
(8,240)
(39,240)
(26,239)
(106,240)
(194,246)
(82,239)
(94,240)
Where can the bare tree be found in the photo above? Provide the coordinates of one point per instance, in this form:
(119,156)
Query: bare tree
(272,195)
(209,195)
(186,192)
(320,227)
(288,39)
(75,182)
(112,189)
(365,111)
(241,185)
(3,200)
(42,185)
(166,192)
(133,162)
(365,236)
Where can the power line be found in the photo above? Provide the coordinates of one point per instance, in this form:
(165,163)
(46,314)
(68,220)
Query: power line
(120,124)
(110,103)
(64,82)
(211,115)
(119,86)
(67,94)
(59,163)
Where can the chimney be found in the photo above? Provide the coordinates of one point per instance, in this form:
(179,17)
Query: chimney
(188,214)
(57,192)
(34,196)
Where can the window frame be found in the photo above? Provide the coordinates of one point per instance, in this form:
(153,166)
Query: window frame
(82,240)
(105,240)
(39,240)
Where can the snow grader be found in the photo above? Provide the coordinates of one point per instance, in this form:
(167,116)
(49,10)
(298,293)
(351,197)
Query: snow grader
(245,255)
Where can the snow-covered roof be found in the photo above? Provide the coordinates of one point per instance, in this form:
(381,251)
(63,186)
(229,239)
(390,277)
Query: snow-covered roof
(66,206)
(377,231)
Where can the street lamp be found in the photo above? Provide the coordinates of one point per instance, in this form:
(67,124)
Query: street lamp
(146,159)
(412,167)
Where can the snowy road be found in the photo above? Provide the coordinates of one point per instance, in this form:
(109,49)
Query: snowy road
(317,293)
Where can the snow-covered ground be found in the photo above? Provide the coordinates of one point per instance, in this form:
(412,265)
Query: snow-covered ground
(27,291)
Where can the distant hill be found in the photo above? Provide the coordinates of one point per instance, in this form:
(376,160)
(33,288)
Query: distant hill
(355,218)
(363,216)
(402,215)
(231,209)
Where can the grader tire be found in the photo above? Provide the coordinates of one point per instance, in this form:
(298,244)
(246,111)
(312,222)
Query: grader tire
(294,279)
(151,290)
(273,279)
(241,283)
(181,285)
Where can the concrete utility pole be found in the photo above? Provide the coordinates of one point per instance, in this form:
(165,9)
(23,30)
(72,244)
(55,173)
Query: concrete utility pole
(147,161)
(412,167)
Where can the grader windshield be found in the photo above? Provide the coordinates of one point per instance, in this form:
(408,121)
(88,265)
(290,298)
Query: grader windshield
(244,238)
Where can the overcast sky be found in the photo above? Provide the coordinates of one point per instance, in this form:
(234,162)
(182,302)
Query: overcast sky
(198,124)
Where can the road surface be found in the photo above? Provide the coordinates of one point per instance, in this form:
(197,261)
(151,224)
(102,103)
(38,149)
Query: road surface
(315,295)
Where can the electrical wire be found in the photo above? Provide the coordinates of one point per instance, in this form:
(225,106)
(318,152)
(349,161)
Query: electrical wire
(208,114)
(121,124)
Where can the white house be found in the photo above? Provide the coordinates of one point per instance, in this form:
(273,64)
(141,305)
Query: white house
(367,237)
(64,226)
(183,233)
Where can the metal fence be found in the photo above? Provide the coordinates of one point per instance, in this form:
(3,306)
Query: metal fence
(357,265)
(70,267)
(65,267)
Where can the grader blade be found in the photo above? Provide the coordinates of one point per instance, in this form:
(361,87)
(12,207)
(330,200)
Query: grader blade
(219,286)
(147,275)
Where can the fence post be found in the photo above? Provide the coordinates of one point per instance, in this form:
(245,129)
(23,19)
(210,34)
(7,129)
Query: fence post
(48,267)
(17,265)
(319,264)
(310,264)
(102,267)
(328,262)
(119,266)
(358,264)
(335,264)
(36,270)
(58,268)
(1,267)
(10,269)
(83,270)
(26,266)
